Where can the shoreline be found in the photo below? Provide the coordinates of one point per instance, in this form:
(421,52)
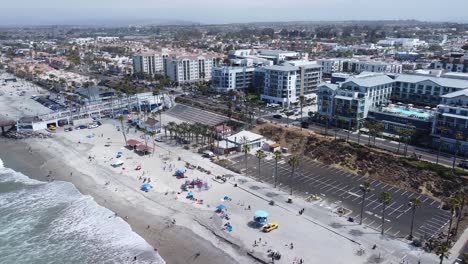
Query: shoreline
(174,243)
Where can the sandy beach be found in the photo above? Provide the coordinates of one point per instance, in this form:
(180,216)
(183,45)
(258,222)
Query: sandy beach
(197,235)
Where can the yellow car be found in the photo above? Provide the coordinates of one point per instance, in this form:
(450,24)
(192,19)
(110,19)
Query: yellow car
(53,128)
(270,227)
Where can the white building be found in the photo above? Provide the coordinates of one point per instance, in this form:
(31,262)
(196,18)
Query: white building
(190,67)
(353,98)
(82,41)
(421,89)
(149,62)
(284,84)
(226,78)
(333,65)
(451,121)
(107,39)
(408,43)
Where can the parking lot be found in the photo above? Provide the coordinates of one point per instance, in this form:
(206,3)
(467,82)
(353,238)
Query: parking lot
(194,115)
(341,189)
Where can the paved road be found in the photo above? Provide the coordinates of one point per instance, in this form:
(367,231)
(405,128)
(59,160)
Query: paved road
(338,187)
(195,115)
(426,154)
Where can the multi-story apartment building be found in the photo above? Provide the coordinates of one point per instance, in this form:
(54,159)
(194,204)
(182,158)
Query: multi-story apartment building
(451,122)
(353,98)
(284,84)
(150,63)
(424,90)
(190,67)
(334,65)
(227,78)
(455,62)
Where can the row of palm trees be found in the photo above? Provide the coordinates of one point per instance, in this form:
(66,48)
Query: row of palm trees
(188,132)
(454,203)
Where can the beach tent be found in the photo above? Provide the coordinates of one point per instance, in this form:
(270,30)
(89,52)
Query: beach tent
(179,173)
(145,187)
(220,208)
(189,195)
(261,217)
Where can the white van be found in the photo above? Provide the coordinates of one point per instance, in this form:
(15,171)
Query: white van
(208,154)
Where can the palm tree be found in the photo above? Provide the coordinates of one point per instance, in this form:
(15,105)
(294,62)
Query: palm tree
(121,119)
(399,133)
(358,127)
(276,156)
(260,154)
(152,135)
(442,131)
(246,150)
(415,203)
(385,198)
(458,137)
(301,101)
(365,189)
(293,162)
(443,252)
(462,198)
(453,204)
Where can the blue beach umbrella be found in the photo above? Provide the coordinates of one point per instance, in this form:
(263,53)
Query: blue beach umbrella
(221,207)
(261,214)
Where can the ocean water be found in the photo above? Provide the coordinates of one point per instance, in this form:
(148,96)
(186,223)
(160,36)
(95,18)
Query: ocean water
(54,223)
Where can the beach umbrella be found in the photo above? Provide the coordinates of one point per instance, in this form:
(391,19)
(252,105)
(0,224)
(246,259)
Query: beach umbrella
(261,214)
(221,207)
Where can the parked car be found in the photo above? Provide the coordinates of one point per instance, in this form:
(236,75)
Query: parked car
(277,116)
(80,127)
(270,227)
(463,164)
(208,154)
(68,129)
(93,126)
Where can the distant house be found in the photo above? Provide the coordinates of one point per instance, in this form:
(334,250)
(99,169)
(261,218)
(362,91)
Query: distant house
(151,125)
(223,131)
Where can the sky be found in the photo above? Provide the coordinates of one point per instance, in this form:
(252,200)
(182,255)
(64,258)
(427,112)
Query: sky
(40,12)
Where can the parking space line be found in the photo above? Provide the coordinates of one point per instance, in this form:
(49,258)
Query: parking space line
(433,201)
(427,198)
(404,193)
(378,184)
(395,209)
(398,232)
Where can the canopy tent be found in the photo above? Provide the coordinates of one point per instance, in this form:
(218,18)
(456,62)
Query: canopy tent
(145,187)
(179,173)
(143,148)
(133,142)
(117,163)
(261,214)
(261,217)
(221,207)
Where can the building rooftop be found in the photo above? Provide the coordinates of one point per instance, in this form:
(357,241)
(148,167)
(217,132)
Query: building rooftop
(456,94)
(329,85)
(369,80)
(284,67)
(445,82)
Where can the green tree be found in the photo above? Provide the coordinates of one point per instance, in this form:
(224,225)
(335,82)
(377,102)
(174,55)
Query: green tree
(301,101)
(277,157)
(442,131)
(414,203)
(443,252)
(462,197)
(260,154)
(293,162)
(152,134)
(365,189)
(385,198)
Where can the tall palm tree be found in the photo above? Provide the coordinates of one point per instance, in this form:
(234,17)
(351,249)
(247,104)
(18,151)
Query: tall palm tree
(462,197)
(442,131)
(260,154)
(301,102)
(415,203)
(453,204)
(365,189)
(385,199)
(121,119)
(399,132)
(152,134)
(246,150)
(276,156)
(458,137)
(443,252)
(293,162)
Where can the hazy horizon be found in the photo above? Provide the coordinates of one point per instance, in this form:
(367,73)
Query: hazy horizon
(86,12)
